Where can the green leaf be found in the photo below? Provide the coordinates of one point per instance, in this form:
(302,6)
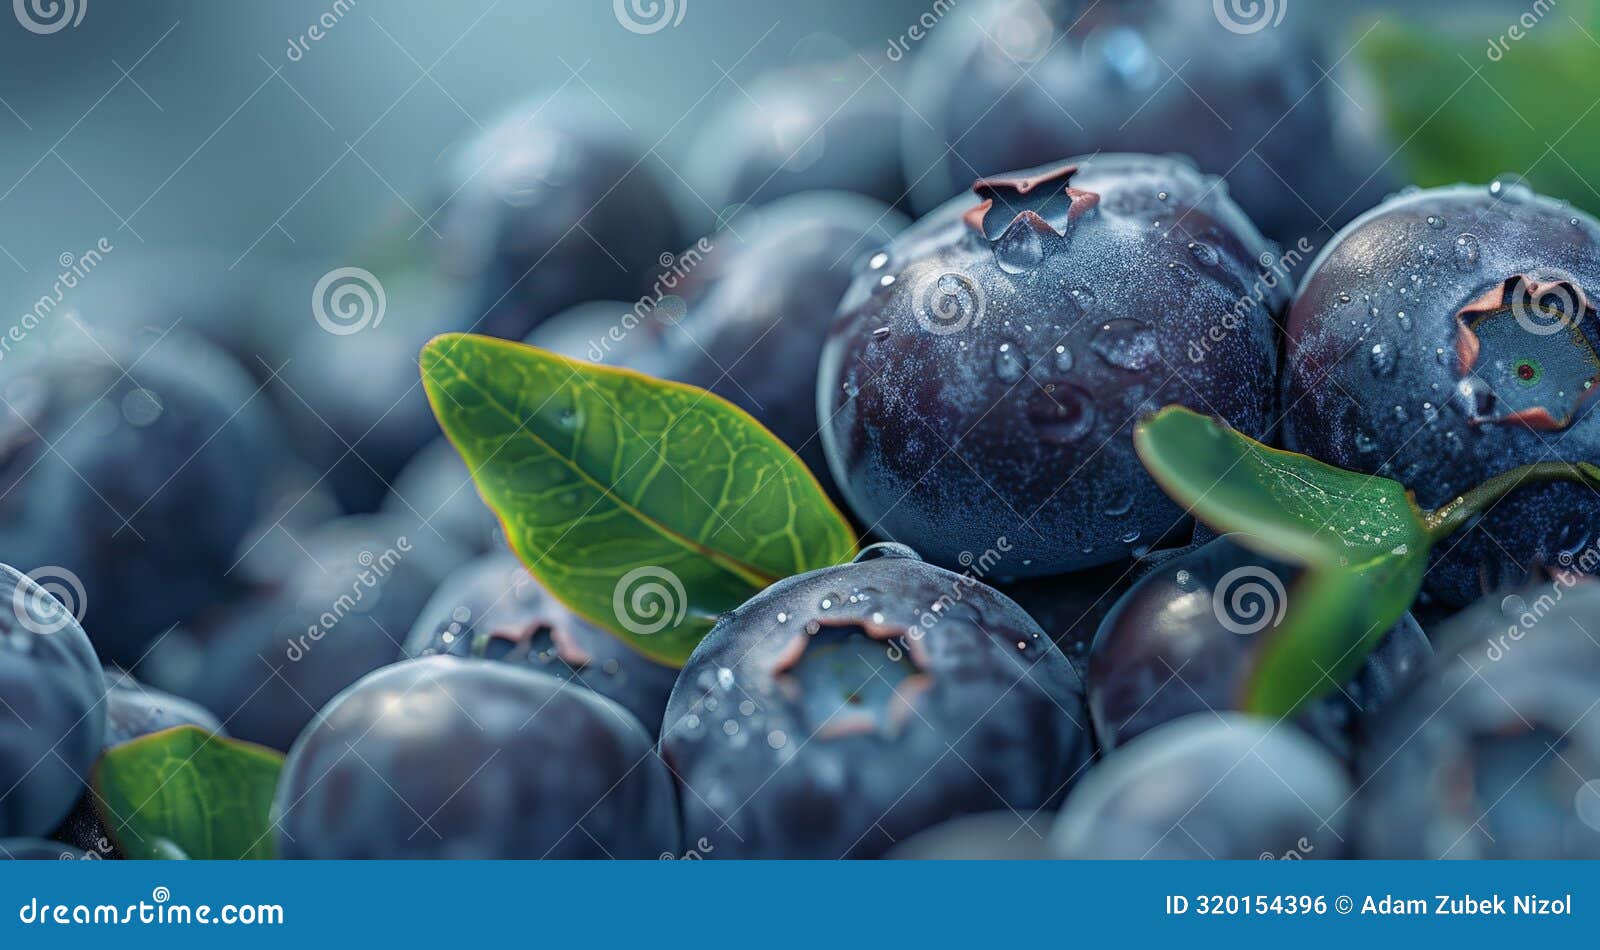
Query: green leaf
(1465,101)
(649,507)
(1361,540)
(184,792)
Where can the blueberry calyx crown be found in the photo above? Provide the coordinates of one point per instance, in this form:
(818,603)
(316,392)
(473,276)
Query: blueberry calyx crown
(854,677)
(1523,354)
(1006,201)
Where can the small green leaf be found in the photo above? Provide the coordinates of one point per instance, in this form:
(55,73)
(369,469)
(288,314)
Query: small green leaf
(1325,634)
(184,792)
(1361,538)
(647,506)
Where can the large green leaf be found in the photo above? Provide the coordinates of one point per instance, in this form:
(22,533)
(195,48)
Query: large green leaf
(184,792)
(1470,99)
(647,506)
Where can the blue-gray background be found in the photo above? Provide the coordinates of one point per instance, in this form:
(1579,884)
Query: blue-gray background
(185,123)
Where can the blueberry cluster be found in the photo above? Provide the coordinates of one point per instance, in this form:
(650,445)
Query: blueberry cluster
(954,302)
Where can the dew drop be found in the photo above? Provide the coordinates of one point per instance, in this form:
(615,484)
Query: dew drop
(880,334)
(1435,222)
(1466,251)
(1063,359)
(1204,253)
(1127,344)
(1020,249)
(1009,363)
(1382,359)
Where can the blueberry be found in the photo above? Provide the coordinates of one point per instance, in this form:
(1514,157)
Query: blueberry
(1070,607)
(37,849)
(132,710)
(615,333)
(990,836)
(816,126)
(1209,785)
(235,304)
(1495,753)
(985,371)
(52,713)
(492,609)
(1186,638)
(351,395)
(448,758)
(435,494)
(136,467)
(757,317)
(1447,336)
(1020,82)
(269,663)
(553,205)
(841,710)
(749,315)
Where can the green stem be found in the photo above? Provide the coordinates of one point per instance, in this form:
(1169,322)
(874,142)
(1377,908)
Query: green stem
(1444,520)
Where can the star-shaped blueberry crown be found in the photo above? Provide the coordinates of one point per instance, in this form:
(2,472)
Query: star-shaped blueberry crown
(1045,202)
(1524,354)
